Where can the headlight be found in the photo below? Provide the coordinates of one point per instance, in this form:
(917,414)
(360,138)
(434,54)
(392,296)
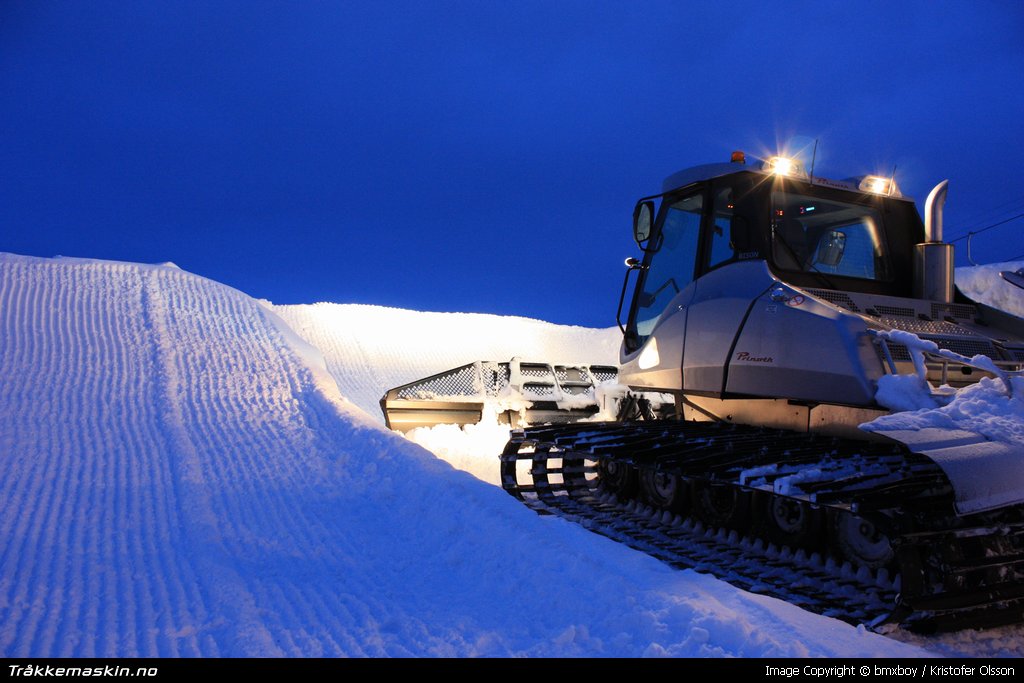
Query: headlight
(784,166)
(877,184)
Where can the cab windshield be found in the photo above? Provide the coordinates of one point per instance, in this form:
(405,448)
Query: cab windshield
(828,236)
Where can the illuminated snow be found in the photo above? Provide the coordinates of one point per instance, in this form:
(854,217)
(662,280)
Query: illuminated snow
(183,475)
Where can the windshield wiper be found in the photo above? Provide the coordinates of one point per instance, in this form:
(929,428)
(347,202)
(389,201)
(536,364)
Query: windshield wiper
(797,260)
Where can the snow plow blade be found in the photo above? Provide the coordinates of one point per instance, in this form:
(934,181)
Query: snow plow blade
(520,393)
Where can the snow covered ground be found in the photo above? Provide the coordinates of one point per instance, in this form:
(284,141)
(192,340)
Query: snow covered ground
(181,474)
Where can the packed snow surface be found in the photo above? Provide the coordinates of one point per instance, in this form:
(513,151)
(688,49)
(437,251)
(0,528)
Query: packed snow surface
(182,475)
(986,408)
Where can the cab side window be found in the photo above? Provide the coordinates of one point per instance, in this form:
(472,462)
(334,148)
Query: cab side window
(722,247)
(673,265)
(735,206)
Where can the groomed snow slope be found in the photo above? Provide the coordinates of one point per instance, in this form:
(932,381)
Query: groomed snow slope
(178,478)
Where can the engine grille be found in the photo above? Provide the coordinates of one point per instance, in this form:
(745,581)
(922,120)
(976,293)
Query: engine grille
(539,390)
(968,347)
(899,352)
(495,377)
(567,374)
(838,298)
(965,347)
(930,327)
(898,311)
(961,311)
(534,370)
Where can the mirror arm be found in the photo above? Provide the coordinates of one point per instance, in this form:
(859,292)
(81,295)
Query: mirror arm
(631,264)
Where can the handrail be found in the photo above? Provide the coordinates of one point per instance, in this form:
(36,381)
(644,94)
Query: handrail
(922,356)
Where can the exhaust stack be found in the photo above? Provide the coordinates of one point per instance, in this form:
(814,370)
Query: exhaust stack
(933,258)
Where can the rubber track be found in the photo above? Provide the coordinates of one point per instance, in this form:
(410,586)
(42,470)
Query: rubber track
(883,480)
(823,586)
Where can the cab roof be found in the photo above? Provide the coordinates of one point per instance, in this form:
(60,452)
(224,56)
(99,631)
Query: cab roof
(760,166)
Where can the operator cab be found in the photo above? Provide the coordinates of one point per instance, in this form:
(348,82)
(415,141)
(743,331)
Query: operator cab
(856,235)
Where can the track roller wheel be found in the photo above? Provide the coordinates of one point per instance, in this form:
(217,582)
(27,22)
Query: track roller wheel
(721,505)
(791,522)
(618,478)
(663,490)
(860,542)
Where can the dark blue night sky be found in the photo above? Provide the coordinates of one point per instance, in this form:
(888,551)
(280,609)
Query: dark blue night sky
(473,156)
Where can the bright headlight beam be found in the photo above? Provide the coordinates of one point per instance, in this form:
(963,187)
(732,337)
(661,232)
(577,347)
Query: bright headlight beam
(877,184)
(781,165)
(649,357)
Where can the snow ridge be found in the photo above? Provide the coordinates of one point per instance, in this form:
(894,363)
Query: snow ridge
(147,412)
(74,523)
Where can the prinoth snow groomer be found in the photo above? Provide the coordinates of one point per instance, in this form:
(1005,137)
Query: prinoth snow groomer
(770,304)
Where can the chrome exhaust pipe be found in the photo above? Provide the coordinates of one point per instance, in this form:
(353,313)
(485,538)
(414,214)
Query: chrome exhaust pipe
(933,258)
(933,212)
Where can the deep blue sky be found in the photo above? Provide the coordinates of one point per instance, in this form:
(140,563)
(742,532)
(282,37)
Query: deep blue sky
(472,156)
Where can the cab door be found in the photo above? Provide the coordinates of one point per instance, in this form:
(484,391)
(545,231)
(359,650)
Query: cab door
(652,355)
(731,276)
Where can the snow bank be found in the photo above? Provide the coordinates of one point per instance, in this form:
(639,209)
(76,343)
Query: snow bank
(984,285)
(985,408)
(177,479)
(473,448)
(370,349)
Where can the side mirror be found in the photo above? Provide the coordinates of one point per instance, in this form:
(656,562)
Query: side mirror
(831,248)
(643,218)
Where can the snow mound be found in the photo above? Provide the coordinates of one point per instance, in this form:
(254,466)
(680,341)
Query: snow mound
(985,408)
(370,349)
(180,477)
(984,285)
(904,392)
(473,448)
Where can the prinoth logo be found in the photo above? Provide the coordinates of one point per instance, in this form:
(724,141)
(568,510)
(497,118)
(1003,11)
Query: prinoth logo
(833,183)
(745,356)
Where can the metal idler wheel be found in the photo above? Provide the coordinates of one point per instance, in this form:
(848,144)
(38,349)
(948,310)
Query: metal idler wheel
(618,478)
(663,490)
(860,542)
(790,522)
(721,505)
